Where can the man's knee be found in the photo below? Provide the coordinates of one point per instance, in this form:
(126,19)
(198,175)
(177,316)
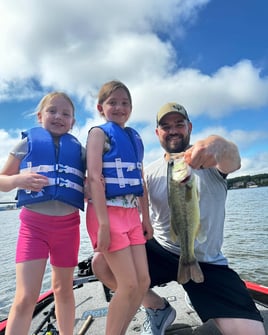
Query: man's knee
(99,265)
(102,271)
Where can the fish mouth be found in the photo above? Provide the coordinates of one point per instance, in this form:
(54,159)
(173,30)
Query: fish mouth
(185,180)
(181,171)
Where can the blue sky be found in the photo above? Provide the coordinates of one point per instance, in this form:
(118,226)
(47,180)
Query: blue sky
(210,56)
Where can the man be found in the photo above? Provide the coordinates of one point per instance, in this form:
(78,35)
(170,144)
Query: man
(222,296)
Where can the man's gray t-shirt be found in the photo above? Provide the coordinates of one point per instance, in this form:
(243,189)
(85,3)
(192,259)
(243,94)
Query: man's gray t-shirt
(212,188)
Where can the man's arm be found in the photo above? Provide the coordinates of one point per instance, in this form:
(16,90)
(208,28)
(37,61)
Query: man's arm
(214,151)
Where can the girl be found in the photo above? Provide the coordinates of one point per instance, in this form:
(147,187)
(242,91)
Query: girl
(41,166)
(115,154)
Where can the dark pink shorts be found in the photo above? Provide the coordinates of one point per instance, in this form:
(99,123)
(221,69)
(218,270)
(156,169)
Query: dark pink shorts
(125,227)
(42,236)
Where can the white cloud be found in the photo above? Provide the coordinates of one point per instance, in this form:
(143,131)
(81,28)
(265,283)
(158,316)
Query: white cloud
(76,46)
(258,164)
(7,140)
(41,36)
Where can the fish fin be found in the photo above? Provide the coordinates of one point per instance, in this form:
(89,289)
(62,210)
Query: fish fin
(196,273)
(184,273)
(201,236)
(190,271)
(173,235)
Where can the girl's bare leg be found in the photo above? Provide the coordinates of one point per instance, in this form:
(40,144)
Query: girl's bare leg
(141,265)
(102,271)
(129,267)
(62,283)
(29,277)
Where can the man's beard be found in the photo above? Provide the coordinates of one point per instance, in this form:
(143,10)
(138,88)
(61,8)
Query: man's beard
(179,146)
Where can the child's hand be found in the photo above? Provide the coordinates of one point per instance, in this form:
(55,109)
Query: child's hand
(32,181)
(103,242)
(148,230)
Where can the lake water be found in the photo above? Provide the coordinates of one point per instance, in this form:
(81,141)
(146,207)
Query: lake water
(245,244)
(246,233)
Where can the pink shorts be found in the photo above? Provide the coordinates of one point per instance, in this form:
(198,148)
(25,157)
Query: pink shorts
(125,227)
(42,236)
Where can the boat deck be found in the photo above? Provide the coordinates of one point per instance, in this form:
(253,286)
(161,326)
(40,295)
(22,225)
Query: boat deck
(92,306)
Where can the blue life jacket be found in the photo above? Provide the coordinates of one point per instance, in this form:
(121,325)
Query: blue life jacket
(122,164)
(63,166)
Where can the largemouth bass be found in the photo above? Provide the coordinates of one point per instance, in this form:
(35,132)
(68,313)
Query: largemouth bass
(183,201)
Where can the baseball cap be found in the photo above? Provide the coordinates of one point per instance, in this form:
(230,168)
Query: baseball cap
(171,107)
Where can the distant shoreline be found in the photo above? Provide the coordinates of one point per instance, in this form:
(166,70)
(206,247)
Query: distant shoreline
(12,205)
(258,180)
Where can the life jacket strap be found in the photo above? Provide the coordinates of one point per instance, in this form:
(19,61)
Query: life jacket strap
(56,167)
(123,181)
(65,183)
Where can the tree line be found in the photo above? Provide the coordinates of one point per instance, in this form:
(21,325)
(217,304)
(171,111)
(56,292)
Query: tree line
(248,181)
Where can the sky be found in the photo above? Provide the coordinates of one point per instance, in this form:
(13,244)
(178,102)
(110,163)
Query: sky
(211,56)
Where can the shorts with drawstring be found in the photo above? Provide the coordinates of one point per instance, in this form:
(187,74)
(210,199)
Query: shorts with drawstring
(125,227)
(42,236)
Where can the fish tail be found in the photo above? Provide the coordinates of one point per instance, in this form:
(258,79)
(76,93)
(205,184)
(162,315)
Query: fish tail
(189,271)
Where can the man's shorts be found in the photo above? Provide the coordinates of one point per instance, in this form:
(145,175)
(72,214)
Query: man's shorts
(222,295)
(42,236)
(125,227)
